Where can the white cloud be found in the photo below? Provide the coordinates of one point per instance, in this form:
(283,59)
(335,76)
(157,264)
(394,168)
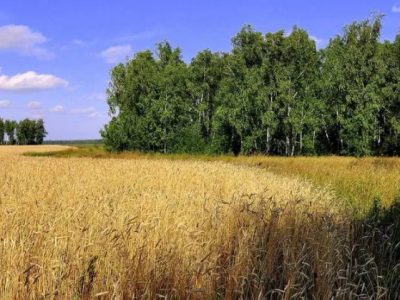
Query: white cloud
(74,45)
(396,8)
(36,109)
(90,112)
(320,43)
(4,103)
(95,114)
(84,110)
(98,96)
(37,115)
(78,42)
(31,81)
(23,40)
(316,40)
(57,109)
(34,105)
(144,35)
(116,54)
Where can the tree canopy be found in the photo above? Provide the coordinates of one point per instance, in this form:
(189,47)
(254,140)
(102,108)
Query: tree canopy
(25,132)
(274,93)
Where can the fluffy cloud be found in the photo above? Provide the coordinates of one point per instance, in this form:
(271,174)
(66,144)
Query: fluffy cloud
(37,115)
(57,109)
(396,8)
(36,109)
(4,103)
(316,40)
(98,96)
(23,40)
(116,54)
(320,43)
(91,112)
(30,81)
(34,105)
(78,42)
(144,35)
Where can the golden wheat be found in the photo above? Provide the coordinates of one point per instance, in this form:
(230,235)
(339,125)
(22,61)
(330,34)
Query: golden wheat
(83,227)
(358,180)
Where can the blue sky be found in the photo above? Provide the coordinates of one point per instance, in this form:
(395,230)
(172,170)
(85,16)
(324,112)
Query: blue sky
(55,56)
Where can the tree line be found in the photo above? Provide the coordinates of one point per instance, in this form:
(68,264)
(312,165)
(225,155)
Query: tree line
(25,132)
(274,93)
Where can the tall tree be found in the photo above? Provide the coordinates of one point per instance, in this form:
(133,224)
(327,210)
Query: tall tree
(10,128)
(40,132)
(272,94)
(296,92)
(149,101)
(351,76)
(132,88)
(2,131)
(388,131)
(239,115)
(272,74)
(26,132)
(205,75)
(172,105)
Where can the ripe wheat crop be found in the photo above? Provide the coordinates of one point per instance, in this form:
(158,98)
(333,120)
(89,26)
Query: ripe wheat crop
(357,181)
(147,228)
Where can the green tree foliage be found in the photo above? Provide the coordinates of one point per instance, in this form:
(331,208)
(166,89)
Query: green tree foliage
(388,131)
(40,132)
(26,132)
(2,131)
(150,102)
(273,94)
(352,73)
(10,128)
(204,77)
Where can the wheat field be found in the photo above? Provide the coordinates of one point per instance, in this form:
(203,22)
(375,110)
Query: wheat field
(355,180)
(121,229)
(358,180)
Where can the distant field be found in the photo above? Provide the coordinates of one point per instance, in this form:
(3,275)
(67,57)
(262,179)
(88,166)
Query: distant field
(74,142)
(152,226)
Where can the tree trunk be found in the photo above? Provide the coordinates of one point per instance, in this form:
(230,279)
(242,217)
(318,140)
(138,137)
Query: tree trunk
(301,141)
(313,140)
(293,145)
(287,145)
(268,141)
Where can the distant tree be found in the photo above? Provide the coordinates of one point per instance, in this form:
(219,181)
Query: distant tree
(26,131)
(151,100)
(296,92)
(40,132)
(205,75)
(130,97)
(2,131)
(351,72)
(388,131)
(272,94)
(238,118)
(10,128)
(172,105)
(268,99)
